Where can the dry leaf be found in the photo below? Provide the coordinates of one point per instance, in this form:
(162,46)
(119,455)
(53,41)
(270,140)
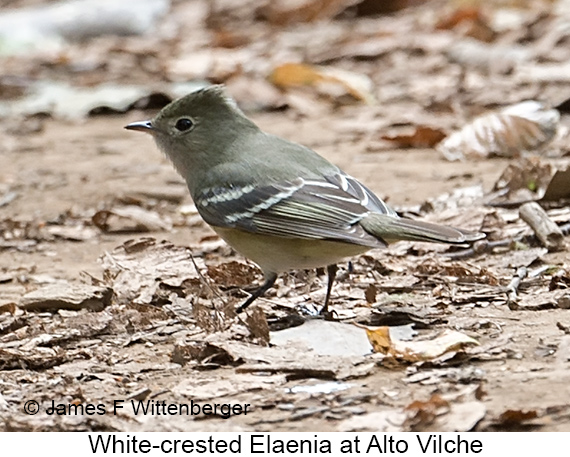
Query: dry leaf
(8,308)
(286,12)
(130,219)
(67,296)
(380,339)
(370,293)
(137,269)
(527,126)
(329,81)
(523,181)
(516,416)
(471,21)
(72,232)
(413,351)
(204,353)
(559,185)
(233,274)
(421,137)
(230,39)
(256,323)
(375,7)
(40,359)
(445,415)
(531,180)
(422,413)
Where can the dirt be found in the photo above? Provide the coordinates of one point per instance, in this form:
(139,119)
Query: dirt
(64,172)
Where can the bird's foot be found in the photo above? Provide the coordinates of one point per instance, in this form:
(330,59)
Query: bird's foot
(327,314)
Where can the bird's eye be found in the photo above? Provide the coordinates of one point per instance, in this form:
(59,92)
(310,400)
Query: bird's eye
(184,124)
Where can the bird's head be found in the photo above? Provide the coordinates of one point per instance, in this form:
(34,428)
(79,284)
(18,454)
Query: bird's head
(197,129)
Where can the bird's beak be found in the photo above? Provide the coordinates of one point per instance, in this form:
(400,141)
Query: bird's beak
(141,126)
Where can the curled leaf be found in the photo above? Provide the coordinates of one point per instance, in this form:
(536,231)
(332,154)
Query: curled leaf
(326,80)
(413,351)
(526,126)
(130,219)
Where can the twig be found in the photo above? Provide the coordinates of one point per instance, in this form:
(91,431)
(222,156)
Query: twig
(482,246)
(513,286)
(219,313)
(538,271)
(563,327)
(548,233)
(204,281)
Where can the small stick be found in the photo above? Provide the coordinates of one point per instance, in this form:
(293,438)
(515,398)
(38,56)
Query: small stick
(545,229)
(482,246)
(513,286)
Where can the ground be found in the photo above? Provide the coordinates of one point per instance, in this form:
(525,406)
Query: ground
(181,342)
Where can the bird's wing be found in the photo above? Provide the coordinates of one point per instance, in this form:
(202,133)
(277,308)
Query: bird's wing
(325,208)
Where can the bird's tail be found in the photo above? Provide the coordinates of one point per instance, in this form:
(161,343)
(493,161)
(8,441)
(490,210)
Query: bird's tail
(390,228)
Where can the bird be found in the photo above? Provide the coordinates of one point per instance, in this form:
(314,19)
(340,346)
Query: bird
(276,202)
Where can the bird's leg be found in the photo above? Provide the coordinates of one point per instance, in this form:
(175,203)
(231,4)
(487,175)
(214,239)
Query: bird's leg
(270,279)
(331,270)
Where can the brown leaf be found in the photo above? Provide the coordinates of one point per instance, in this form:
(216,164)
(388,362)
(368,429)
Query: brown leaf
(423,413)
(375,7)
(230,39)
(559,185)
(370,293)
(420,137)
(233,273)
(286,12)
(380,339)
(472,21)
(256,323)
(8,308)
(516,416)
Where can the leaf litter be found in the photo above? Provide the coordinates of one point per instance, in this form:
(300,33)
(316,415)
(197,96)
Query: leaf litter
(156,318)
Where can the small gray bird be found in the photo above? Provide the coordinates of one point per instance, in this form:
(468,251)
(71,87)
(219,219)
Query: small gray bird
(278,203)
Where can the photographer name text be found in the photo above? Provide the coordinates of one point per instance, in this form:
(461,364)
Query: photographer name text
(144,408)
